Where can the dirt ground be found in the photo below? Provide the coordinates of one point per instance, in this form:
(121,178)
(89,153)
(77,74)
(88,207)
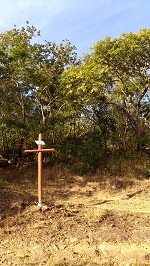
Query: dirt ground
(84,220)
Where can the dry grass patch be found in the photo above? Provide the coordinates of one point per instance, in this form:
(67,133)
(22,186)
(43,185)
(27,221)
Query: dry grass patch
(86,220)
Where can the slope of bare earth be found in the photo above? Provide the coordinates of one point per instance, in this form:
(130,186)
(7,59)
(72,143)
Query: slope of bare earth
(85,220)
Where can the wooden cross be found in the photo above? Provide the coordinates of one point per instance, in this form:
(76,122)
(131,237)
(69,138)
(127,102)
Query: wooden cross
(39,142)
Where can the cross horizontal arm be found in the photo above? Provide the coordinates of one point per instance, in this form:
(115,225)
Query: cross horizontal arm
(40,150)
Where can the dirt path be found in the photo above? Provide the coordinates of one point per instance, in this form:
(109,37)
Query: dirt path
(80,224)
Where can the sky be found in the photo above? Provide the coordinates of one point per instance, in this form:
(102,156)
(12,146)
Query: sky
(82,22)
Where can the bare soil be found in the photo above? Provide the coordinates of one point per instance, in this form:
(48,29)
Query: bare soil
(85,220)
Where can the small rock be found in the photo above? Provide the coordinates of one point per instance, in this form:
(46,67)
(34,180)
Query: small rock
(40,256)
(44,208)
(113,225)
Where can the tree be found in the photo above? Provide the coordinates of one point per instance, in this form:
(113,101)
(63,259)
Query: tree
(127,59)
(16,105)
(103,118)
(29,83)
(47,94)
(117,70)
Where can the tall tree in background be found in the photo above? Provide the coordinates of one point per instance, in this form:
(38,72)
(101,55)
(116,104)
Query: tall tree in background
(29,83)
(127,59)
(15,89)
(117,70)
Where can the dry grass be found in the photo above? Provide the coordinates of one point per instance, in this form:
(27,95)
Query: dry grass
(100,219)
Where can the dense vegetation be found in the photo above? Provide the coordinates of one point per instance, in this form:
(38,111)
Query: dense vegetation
(87,108)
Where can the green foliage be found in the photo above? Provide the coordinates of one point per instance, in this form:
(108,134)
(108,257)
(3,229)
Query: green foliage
(104,119)
(116,70)
(85,108)
(127,62)
(30,93)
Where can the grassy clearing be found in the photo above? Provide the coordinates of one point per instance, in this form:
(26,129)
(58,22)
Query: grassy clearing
(96,219)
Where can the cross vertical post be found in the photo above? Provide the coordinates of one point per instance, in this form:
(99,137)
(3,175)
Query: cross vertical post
(40,192)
